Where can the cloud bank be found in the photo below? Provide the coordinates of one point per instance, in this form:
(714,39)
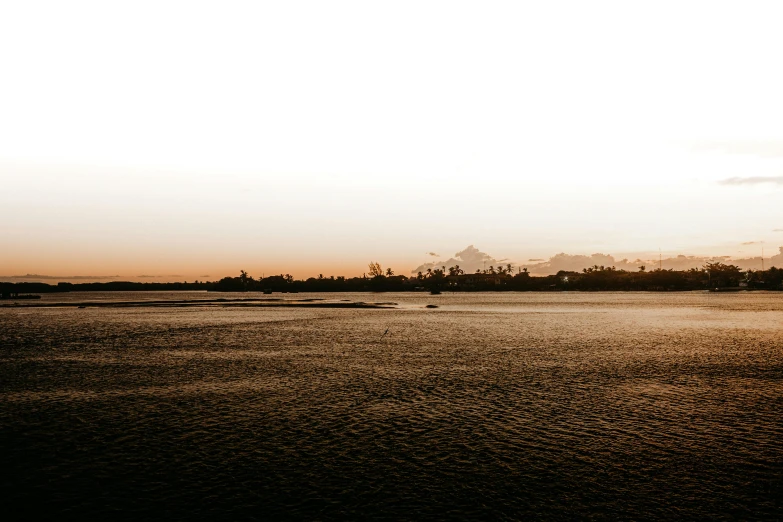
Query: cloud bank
(575,263)
(471,259)
(753,180)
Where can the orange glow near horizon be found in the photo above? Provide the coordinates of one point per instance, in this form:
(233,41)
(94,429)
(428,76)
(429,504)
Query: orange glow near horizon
(273,138)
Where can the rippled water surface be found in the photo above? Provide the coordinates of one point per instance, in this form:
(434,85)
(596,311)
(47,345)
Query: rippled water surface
(494,405)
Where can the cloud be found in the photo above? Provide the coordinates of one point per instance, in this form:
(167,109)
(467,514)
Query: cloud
(751,243)
(433,254)
(754,263)
(575,263)
(777,229)
(765,149)
(753,180)
(470,259)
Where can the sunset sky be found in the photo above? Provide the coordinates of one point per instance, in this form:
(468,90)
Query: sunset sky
(186,140)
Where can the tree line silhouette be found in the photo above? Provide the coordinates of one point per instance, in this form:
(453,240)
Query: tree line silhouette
(596,278)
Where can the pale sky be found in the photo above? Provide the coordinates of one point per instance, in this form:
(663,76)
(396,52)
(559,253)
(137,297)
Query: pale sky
(192,139)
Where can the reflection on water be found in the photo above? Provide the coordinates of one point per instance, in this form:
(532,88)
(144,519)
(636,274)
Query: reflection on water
(489,406)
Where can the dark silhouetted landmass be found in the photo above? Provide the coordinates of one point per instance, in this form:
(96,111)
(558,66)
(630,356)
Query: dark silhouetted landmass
(222,303)
(597,278)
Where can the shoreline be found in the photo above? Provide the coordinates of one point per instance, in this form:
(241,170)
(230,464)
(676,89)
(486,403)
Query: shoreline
(195,303)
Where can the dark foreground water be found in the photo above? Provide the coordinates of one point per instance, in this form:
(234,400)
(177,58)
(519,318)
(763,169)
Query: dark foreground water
(502,406)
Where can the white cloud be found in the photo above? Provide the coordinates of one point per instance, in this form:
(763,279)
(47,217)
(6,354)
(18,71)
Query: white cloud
(469,259)
(753,180)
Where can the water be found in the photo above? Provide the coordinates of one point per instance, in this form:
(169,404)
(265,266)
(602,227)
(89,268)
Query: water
(495,405)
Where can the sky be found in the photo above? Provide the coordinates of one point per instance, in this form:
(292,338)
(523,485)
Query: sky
(189,140)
